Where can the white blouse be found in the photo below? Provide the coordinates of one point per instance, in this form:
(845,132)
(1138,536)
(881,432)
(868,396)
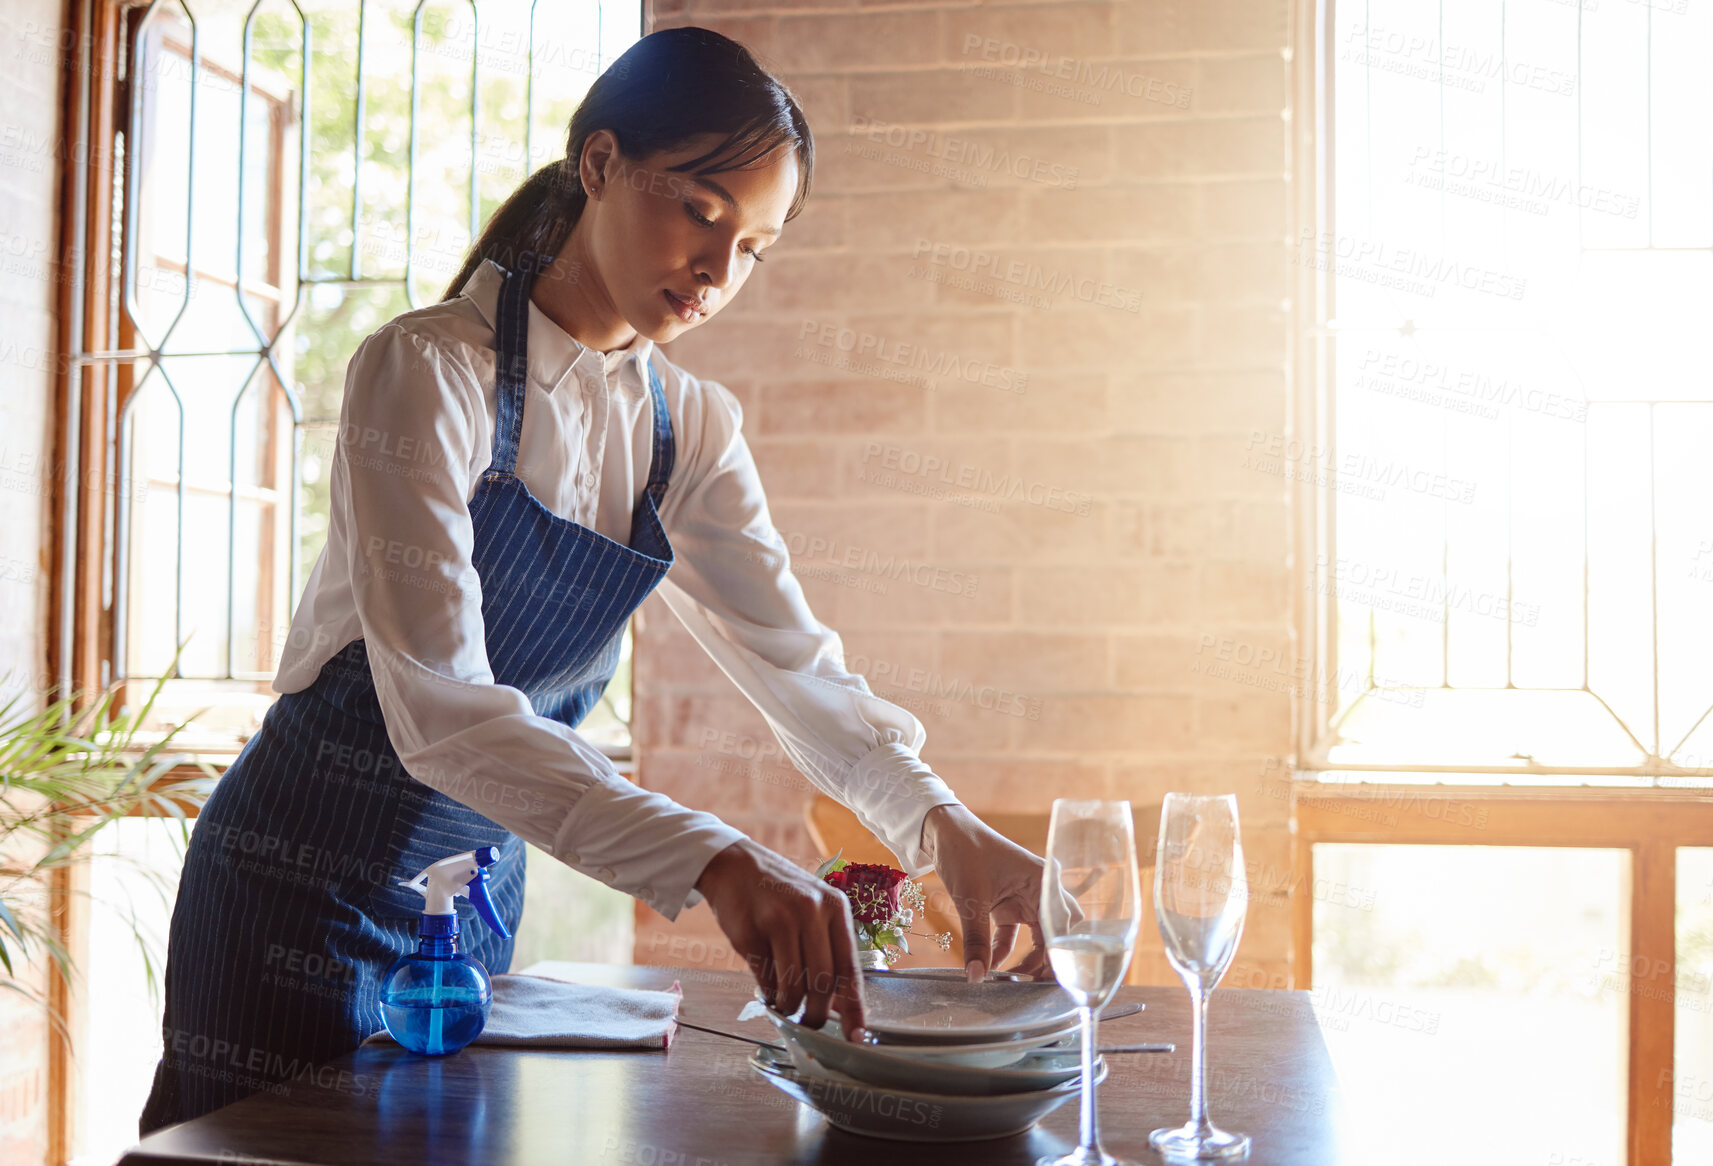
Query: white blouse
(416,433)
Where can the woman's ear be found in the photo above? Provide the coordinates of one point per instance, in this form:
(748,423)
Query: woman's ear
(600,155)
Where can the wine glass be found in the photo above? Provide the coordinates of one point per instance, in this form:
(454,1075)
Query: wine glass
(1200,895)
(1090,904)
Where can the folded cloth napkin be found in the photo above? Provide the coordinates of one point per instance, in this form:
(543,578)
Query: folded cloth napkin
(534,1011)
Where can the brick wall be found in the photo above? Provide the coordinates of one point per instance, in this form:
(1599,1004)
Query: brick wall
(1083,207)
(29,219)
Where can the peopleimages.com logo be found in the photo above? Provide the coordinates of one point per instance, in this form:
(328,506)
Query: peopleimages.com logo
(1405,268)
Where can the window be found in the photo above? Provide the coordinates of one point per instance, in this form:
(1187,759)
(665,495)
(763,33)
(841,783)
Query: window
(1504,242)
(1518,566)
(254,262)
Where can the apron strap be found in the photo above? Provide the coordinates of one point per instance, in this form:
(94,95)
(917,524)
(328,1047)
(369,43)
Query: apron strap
(511,361)
(512,369)
(665,452)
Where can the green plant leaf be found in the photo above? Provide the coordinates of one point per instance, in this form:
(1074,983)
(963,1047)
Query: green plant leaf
(66,773)
(27,993)
(834,863)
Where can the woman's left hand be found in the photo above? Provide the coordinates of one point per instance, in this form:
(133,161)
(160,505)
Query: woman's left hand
(995,885)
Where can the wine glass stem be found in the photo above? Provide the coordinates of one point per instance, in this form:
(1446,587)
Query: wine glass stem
(1198,1046)
(1091,1116)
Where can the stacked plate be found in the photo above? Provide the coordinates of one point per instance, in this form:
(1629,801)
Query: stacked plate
(947,1061)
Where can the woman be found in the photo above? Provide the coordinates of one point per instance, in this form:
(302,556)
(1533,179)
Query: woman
(518,468)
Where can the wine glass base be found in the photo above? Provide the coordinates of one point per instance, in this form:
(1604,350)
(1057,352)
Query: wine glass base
(1198,1143)
(1081,1157)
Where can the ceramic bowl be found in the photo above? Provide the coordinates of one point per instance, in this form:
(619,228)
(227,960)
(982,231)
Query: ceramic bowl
(910,1116)
(883,1065)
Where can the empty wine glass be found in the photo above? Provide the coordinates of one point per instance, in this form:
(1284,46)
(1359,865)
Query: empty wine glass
(1090,905)
(1201,893)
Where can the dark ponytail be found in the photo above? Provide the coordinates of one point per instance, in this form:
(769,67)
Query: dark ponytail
(665,89)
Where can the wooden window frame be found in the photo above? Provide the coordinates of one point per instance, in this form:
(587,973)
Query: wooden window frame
(1649,827)
(81,501)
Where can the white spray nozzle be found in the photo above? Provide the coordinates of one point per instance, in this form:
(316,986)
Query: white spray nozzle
(462,874)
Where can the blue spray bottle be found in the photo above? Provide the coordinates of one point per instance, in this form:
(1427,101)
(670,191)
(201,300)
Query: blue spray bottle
(436,999)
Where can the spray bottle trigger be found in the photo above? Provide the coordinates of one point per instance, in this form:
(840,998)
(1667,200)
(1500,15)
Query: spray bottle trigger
(477,889)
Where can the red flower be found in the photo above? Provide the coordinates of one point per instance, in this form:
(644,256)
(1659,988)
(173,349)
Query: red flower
(871,888)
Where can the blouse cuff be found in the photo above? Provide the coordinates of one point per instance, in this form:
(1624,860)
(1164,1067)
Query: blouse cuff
(892,790)
(642,843)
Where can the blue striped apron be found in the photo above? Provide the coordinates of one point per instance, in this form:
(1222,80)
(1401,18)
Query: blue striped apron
(289,909)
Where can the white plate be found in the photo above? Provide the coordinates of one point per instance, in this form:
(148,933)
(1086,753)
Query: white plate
(907,1116)
(983,1055)
(1037,1068)
(952,1011)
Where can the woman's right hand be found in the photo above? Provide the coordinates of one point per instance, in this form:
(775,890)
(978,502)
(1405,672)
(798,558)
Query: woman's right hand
(792,929)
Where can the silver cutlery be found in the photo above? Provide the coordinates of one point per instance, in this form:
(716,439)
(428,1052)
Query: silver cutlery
(947,974)
(766,1044)
(1114,1049)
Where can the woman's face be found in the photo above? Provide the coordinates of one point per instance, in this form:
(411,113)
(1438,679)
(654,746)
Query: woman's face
(672,248)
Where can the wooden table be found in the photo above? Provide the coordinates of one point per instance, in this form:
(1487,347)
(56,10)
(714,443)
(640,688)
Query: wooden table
(700,1104)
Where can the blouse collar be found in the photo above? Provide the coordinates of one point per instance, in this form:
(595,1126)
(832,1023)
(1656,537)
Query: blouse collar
(553,352)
